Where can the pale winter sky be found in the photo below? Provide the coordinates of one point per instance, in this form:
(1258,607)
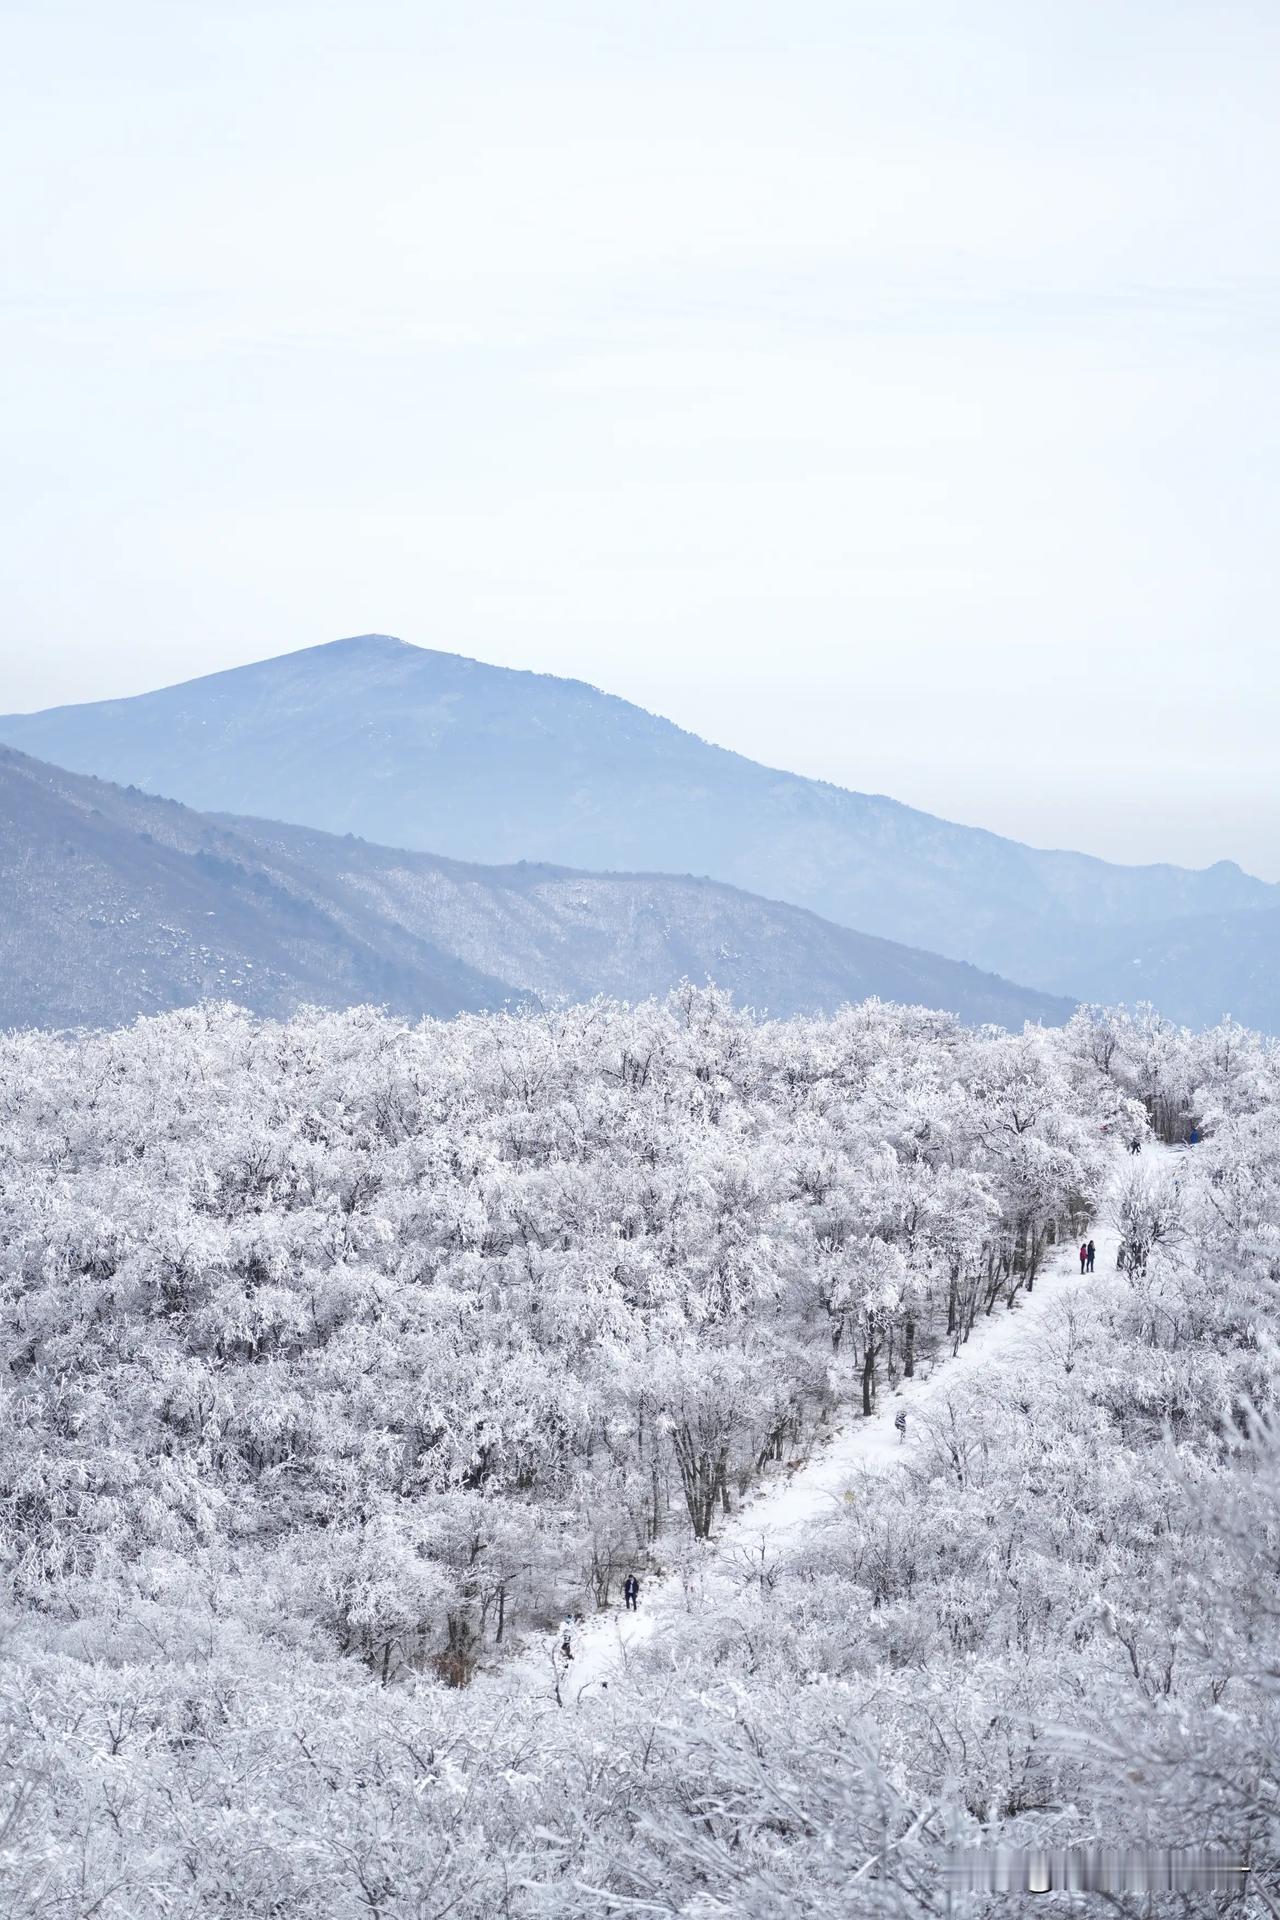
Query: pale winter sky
(885,388)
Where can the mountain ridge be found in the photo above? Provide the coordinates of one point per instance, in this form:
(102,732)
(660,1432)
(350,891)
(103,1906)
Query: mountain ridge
(114,902)
(391,648)
(437,752)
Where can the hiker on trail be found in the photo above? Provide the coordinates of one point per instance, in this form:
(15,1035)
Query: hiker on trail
(1135,1145)
(566,1628)
(1090,1250)
(900,1422)
(631,1592)
(1084,1256)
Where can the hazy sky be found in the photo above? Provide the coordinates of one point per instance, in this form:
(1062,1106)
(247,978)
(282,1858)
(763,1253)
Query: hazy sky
(886,390)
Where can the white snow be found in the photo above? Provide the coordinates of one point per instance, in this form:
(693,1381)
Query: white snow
(769,1524)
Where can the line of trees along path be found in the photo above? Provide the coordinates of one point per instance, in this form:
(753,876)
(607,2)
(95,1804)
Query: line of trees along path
(1040,1327)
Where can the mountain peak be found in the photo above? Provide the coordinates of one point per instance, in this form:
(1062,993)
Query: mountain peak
(413,747)
(365,643)
(372,646)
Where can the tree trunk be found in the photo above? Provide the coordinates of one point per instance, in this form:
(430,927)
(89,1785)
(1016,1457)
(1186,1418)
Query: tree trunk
(701,1476)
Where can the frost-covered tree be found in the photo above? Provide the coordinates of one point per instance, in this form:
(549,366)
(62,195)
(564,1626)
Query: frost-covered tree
(343,1357)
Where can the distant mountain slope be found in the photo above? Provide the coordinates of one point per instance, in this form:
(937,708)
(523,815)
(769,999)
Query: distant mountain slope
(114,902)
(1194,969)
(568,933)
(429,750)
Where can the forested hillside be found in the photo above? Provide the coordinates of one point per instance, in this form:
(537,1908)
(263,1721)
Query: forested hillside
(115,902)
(566,934)
(1194,969)
(344,1357)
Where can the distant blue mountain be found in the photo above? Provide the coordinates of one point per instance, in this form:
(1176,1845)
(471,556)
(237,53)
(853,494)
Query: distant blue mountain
(115,902)
(429,750)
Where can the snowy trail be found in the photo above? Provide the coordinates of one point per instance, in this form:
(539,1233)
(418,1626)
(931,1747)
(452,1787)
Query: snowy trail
(776,1515)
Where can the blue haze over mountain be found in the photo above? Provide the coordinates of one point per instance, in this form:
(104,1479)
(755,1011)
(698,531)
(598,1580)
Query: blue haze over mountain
(428,750)
(115,902)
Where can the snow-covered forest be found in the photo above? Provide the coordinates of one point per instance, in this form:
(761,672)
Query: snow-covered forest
(345,1359)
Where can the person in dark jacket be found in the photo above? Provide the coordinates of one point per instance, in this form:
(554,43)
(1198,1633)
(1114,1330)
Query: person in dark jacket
(1084,1256)
(631,1592)
(900,1422)
(1090,1250)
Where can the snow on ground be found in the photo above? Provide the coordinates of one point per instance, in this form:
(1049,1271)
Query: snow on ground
(774,1519)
